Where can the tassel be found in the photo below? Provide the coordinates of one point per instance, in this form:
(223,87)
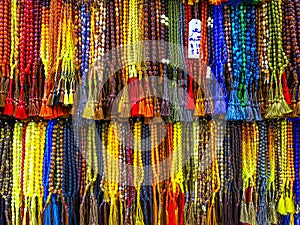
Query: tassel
(61,96)
(252,213)
(172,210)
(281,206)
(124,106)
(285,109)
(47,216)
(165,110)
(190,102)
(139,217)
(93,210)
(71,97)
(55,97)
(21,111)
(135,110)
(289,205)
(208,109)
(50,99)
(294,102)
(285,88)
(66,98)
(272,213)
(142,110)
(296,219)
(9,107)
(89,110)
(82,212)
(32,212)
(244,218)
(286,220)
(249,112)
(97,115)
(55,209)
(113,214)
(149,108)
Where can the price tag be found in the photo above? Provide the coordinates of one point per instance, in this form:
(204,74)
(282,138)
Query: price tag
(194,39)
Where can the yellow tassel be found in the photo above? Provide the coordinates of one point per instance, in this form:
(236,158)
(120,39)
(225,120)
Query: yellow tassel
(89,111)
(289,205)
(244,213)
(281,206)
(197,108)
(113,214)
(139,218)
(252,214)
(272,214)
(71,97)
(32,212)
(66,98)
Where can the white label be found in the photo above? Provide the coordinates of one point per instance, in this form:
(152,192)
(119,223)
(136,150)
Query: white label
(194,39)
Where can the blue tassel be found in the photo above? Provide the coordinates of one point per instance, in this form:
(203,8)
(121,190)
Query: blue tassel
(233,112)
(47,216)
(249,112)
(55,211)
(297,219)
(286,220)
(81,105)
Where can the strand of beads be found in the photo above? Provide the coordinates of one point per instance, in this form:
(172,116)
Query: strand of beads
(278,106)
(262,175)
(17,165)
(6,156)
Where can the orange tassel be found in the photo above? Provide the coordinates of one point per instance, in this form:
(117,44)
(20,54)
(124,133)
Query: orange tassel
(142,110)
(50,99)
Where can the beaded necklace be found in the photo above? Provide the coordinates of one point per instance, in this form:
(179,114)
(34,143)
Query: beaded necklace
(6,154)
(9,108)
(138,170)
(282,155)
(5,49)
(113,171)
(262,174)
(45,52)
(220,51)
(291,47)
(272,218)
(235,110)
(69,176)
(33,188)
(296,165)
(16,201)
(251,71)
(263,34)
(278,106)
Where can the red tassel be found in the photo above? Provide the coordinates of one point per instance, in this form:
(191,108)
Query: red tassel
(172,209)
(285,89)
(21,111)
(181,208)
(190,103)
(135,110)
(9,107)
